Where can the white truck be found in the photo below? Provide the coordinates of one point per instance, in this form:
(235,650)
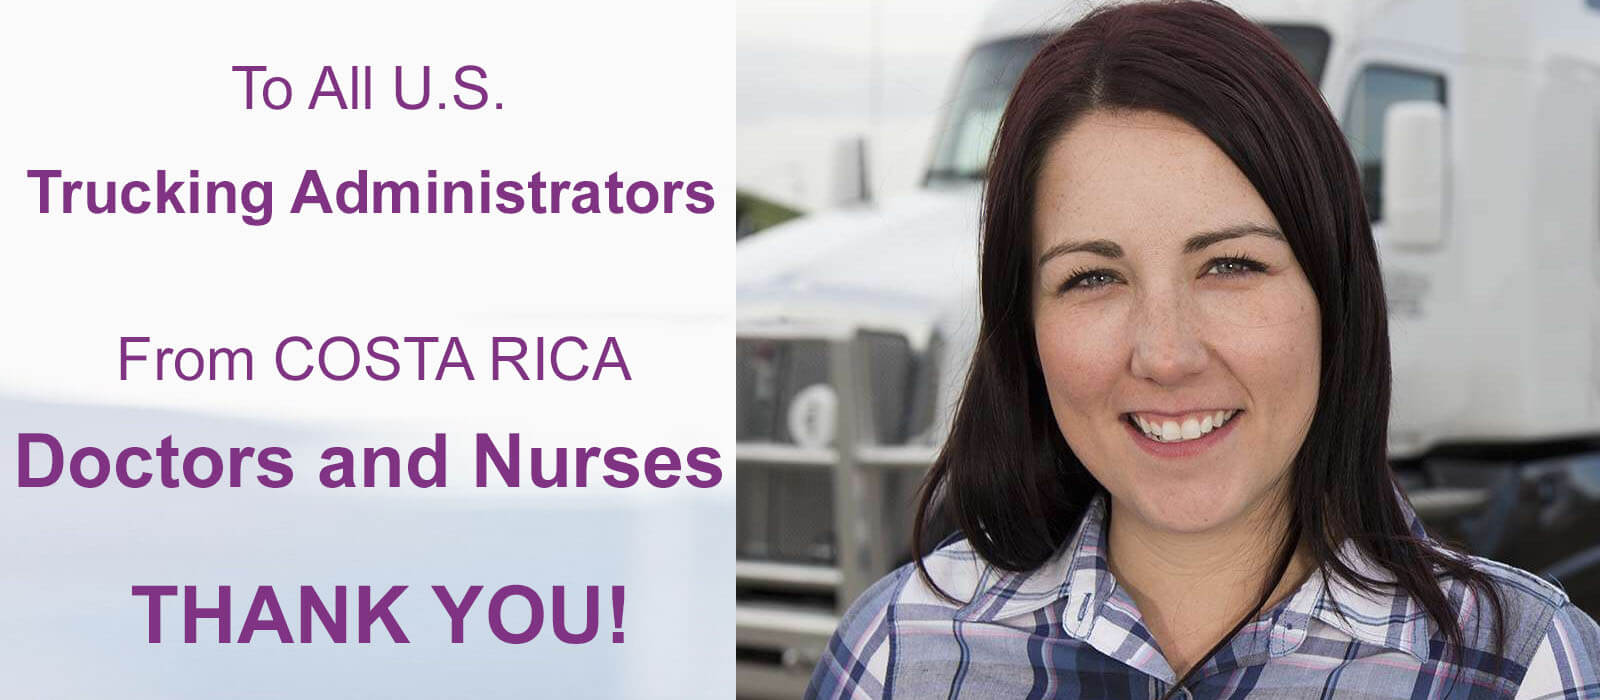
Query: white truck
(1476,124)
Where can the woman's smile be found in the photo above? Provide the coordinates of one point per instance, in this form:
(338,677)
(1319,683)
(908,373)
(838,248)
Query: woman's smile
(1182,435)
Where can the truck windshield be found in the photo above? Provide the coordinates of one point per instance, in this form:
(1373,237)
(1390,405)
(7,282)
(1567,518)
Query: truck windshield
(993,69)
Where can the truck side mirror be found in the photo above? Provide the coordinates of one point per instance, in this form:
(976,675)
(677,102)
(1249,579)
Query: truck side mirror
(1413,174)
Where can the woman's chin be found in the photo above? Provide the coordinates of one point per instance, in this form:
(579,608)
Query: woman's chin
(1185,510)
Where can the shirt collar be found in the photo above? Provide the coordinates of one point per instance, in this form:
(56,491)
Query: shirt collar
(1079,574)
(1386,616)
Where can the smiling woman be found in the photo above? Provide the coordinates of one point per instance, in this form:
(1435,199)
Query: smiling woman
(1149,338)
(1168,465)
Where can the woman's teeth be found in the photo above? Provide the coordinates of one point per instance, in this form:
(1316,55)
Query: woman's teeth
(1189,428)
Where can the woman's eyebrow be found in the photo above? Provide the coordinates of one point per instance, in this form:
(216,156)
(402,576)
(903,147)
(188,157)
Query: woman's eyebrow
(1100,247)
(1199,241)
(1195,243)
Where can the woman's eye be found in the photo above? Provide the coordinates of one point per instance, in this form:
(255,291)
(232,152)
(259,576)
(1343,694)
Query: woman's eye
(1234,267)
(1087,280)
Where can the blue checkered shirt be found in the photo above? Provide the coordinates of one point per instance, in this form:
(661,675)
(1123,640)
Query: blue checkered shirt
(1067,630)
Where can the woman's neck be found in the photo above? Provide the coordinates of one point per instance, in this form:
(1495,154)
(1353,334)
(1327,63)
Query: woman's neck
(1193,587)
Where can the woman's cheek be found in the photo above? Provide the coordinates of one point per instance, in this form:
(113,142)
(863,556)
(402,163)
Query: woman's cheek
(1288,321)
(1079,345)
(1279,354)
(1273,302)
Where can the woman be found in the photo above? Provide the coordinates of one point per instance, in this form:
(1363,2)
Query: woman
(1168,462)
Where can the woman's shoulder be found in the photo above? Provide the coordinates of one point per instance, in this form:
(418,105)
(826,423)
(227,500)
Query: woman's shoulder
(869,612)
(1524,631)
(954,568)
(1566,663)
(1555,641)
(1518,582)
(1520,592)
(1552,644)
(856,660)
(1527,602)
(1522,595)
(855,664)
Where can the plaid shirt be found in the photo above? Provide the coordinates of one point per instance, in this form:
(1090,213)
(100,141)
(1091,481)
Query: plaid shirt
(1067,630)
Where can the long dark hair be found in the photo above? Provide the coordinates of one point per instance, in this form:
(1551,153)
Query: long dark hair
(1007,477)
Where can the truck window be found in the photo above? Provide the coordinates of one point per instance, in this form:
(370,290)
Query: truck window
(986,82)
(1308,45)
(992,70)
(1376,88)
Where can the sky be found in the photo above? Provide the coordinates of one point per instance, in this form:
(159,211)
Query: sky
(804,89)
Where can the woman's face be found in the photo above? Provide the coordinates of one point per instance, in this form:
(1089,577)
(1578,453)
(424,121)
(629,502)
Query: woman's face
(1167,300)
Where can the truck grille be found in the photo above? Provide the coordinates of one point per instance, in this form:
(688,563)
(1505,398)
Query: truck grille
(785,488)
(891,369)
(771,372)
(785,514)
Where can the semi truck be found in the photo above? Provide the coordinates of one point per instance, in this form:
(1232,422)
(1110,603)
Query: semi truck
(1476,127)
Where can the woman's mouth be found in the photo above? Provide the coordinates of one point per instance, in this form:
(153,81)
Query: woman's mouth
(1180,436)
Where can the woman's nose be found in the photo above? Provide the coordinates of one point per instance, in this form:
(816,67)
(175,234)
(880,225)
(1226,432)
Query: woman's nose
(1167,348)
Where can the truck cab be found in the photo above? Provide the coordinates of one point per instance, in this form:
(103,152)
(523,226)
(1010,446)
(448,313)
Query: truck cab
(1476,127)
